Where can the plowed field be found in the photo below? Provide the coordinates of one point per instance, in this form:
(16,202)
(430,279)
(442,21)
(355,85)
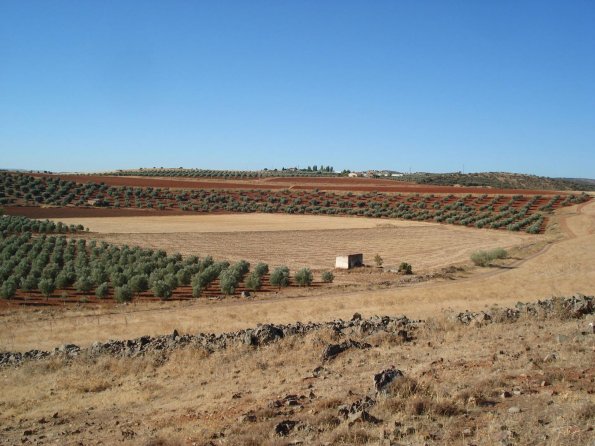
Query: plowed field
(300,183)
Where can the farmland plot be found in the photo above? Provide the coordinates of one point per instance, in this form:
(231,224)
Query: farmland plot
(276,240)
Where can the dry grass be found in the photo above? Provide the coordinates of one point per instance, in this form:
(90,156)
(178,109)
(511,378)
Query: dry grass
(452,393)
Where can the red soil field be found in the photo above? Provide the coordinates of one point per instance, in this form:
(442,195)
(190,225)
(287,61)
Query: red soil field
(36,299)
(163,182)
(299,183)
(80,212)
(336,181)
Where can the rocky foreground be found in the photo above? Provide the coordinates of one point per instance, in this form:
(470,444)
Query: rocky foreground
(504,376)
(569,307)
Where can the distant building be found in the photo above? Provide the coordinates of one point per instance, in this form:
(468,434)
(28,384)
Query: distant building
(352,175)
(349,261)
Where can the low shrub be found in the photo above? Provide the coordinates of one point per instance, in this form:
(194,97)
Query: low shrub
(405,268)
(328,277)
(484,258)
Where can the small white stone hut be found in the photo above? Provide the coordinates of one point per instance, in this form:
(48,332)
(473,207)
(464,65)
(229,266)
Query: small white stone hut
(349,261)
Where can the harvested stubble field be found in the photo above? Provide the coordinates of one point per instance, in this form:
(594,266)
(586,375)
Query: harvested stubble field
(299,241)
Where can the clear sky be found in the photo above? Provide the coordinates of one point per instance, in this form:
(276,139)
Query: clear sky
(505,85)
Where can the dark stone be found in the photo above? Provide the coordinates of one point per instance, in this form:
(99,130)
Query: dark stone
(332,350)
(384,378)
(363,417)
(348,410)
(266,334)
(284,428)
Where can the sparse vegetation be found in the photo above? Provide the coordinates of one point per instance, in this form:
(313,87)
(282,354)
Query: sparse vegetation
(484,258)
(378,261)
(405,268)
(327,277)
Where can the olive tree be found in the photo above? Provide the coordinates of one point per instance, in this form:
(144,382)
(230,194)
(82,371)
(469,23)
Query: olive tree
(162,289)
(304,277)
(102,290)
(8,288)
(327,277)
(123,294)
(280,277)
(83,284)
(47,287)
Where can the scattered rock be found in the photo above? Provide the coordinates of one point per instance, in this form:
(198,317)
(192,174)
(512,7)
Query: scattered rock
(468,432)
(288,400)
(265,334)
(363,417)
(247,418)
(384,378)
(514,409)
(347,410)
(284,428)
(574,307)
(318,371)
(333,350)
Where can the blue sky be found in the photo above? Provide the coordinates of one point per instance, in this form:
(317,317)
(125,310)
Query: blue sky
(422,85)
